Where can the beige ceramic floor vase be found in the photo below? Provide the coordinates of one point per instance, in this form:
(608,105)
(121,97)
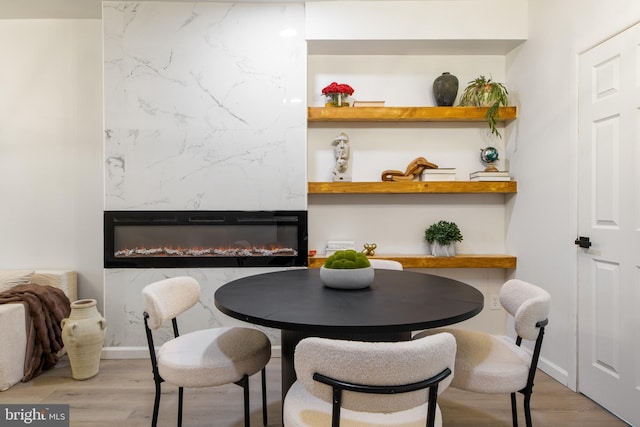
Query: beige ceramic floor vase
(83,336)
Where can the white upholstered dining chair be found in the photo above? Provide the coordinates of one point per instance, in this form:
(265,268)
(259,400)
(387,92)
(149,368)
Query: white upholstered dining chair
(203,358)
(352,383)
(496,364)
(385,264)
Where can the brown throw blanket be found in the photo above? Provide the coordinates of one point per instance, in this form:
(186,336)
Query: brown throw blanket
(47,306)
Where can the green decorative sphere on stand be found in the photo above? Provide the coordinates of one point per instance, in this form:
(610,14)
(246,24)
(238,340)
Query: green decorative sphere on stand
(489,155)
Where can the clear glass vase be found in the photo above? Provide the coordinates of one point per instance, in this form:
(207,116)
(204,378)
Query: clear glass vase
(337,100)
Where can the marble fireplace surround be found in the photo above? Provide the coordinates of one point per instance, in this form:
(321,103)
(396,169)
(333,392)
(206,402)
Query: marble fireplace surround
(205,110)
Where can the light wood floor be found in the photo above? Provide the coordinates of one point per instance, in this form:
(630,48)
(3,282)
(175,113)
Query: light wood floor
(122,395)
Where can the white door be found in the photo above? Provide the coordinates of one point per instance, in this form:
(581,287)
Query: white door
(609,214)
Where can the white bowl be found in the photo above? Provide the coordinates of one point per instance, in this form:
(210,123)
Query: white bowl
(338,278)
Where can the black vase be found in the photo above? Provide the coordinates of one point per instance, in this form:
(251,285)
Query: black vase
(445,89)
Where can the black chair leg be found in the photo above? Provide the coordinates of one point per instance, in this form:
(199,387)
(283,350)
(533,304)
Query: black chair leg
(244,383)
(514,410)
(264,397)
(180,400)
(156,406)
(431,411)
(527,409)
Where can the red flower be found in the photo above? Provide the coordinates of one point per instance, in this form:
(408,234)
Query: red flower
(337,88)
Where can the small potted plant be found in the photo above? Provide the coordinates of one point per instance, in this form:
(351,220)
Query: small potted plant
(442,237)
(347,269)
(483,92)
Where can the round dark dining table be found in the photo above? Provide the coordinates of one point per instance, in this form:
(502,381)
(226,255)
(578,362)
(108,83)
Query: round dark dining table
(296,302)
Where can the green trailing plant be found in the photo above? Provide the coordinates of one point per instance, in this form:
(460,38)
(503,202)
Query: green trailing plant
(483,92)
(443,232)
(347,259)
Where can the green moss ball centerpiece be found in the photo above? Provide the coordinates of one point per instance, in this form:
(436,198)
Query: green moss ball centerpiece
(347,269)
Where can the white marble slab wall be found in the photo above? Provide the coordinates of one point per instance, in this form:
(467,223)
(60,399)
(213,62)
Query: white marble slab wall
(205,109)
(125,325)
(205,106)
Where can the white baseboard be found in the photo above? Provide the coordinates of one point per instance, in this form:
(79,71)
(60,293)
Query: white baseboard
(555,372)
(124,353)
(143,352)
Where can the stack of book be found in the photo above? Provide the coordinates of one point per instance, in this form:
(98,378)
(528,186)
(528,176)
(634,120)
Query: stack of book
(490,176)
(439,174)
(339,245)
(368,103)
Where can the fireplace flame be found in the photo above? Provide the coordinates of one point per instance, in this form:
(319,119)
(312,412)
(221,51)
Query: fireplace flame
(205,252)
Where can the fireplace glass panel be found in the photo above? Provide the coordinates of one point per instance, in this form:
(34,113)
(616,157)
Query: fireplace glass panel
(205,239)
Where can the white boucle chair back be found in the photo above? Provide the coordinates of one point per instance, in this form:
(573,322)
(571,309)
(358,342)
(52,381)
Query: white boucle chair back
(168,298)
(527,303)
(386,264)
(375,363)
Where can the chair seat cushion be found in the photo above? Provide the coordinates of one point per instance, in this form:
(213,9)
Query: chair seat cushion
(487,363)
(301,408)
(213,357)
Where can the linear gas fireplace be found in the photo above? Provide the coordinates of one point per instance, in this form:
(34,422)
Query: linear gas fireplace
(166,239)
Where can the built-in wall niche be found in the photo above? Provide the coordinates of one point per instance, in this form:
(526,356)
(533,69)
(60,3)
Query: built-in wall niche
(389,138)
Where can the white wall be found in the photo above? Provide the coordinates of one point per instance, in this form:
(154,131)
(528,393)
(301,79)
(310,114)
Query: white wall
(51,148)
(423,20)
(542,77)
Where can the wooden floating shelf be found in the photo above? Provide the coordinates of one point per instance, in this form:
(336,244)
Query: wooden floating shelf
(406,114)
(443,187)
(421,261)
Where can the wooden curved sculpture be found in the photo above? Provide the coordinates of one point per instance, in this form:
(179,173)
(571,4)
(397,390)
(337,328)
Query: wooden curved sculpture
(414,169)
